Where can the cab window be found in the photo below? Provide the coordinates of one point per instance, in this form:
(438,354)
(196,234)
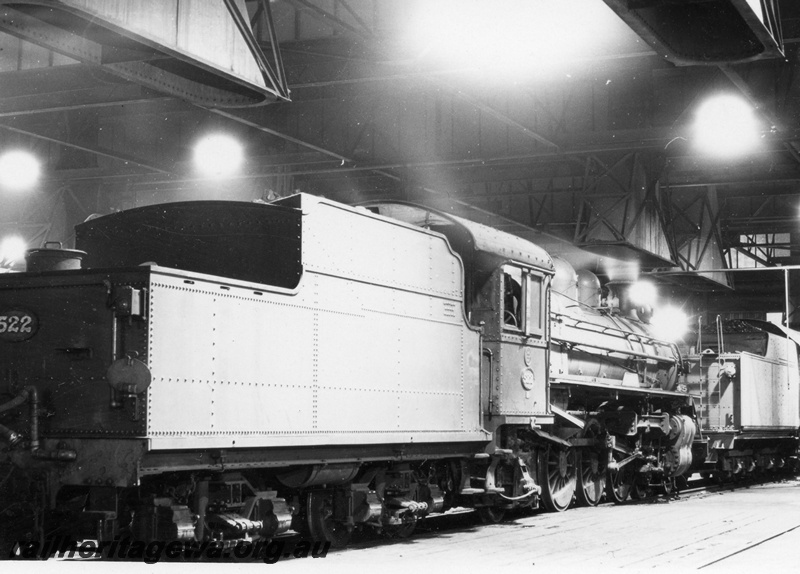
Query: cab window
(512,298)
(535,308)
(524,301)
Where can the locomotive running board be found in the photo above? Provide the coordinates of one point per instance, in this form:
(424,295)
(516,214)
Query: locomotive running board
(596,384)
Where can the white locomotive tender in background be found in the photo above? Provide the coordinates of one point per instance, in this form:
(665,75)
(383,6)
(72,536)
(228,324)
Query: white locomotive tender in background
(232,371)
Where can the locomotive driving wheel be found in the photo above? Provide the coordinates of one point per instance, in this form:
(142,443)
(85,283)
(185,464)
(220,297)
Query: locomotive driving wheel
(557,477)
(591,476)
(620,482)
(320,521)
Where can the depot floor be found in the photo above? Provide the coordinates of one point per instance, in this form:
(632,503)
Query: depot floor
(755,529)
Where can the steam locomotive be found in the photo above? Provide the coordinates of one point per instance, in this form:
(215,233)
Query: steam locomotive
(235,371)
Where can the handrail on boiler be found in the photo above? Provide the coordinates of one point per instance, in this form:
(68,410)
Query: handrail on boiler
(657,358)
(628,336)
(604,329)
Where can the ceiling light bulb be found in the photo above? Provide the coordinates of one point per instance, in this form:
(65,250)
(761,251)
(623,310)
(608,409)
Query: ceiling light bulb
(19,170)
(218,156)
(726,126)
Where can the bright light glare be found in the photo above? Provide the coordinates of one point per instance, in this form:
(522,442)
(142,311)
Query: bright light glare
(18,170)
(643,293)
(218,156)
(726,126)
(669,323)
(12,249)
(508,36)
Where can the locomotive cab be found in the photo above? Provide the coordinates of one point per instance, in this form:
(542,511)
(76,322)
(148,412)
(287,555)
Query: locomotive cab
(512,308)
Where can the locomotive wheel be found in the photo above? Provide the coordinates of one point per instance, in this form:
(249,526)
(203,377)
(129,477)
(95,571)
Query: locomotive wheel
(401,531)
(321,525)
(640,490)
(491,515)
(557,477)
(591,476)
(667,486)
(619,483)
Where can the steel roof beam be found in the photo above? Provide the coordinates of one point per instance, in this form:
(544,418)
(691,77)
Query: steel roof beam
(331,19)
(95,150)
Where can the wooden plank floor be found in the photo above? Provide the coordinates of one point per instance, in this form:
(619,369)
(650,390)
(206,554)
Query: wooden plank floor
(755,530)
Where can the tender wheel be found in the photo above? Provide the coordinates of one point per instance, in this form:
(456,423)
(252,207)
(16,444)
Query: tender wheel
(620,482)
(321,526)
(591,477)
(491,515)
(557,477)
